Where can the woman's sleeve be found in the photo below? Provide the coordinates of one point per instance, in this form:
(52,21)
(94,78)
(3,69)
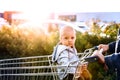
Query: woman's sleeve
(113,61)
(112,46)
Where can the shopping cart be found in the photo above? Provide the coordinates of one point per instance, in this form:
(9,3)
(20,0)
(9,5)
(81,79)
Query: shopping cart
(34,68)
(27,68)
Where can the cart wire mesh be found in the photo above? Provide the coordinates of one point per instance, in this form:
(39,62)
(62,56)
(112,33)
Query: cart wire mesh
(29,68)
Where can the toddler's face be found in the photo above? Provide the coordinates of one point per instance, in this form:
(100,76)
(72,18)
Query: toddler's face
(68,38)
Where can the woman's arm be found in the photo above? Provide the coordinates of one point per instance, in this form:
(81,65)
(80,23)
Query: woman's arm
(112,46)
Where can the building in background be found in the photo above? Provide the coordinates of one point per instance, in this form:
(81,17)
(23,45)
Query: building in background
(12,17)
(15,17)
(85,16)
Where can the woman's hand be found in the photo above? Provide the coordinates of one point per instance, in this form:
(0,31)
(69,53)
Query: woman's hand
(104,47)
(99,55)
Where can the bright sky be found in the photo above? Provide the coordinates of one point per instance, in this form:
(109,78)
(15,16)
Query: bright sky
(61,5)
(40,8)
(37,10)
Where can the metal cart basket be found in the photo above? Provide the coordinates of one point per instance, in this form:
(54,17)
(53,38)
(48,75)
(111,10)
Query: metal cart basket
(31,68)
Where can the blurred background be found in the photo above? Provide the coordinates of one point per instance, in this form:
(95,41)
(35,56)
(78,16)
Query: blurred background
(30,27)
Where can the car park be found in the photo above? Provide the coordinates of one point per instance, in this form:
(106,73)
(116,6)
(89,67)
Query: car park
(60,23)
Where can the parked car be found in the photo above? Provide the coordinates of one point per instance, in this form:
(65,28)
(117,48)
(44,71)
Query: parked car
(52,25)
(83,26)
(60,23)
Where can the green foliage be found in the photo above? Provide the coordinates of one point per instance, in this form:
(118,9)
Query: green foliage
(11,43)
(112,30)
(16,42)
(85,41)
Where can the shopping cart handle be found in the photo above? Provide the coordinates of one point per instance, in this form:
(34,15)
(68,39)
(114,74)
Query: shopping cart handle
(95,48)
(91,59)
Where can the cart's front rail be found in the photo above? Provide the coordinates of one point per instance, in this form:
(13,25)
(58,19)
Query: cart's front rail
(29,68)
